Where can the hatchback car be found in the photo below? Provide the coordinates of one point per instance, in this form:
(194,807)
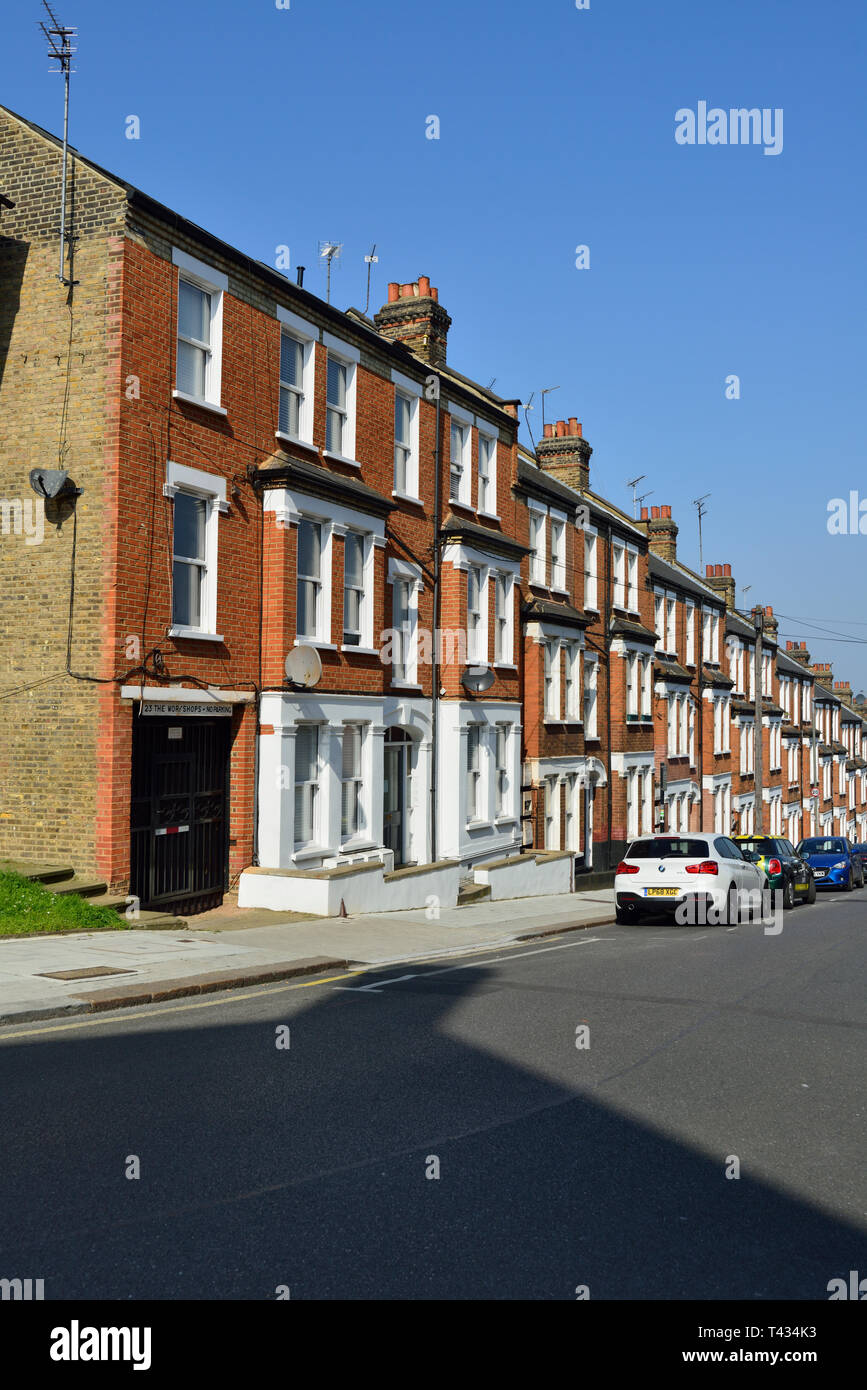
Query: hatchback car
(832,861)
(660,873)
(786,870)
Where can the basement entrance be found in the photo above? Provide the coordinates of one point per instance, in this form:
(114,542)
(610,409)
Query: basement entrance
(179,827)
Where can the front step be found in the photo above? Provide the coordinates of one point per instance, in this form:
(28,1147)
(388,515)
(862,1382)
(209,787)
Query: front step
(37,873)
(96,895)
(470,893)
(84,887)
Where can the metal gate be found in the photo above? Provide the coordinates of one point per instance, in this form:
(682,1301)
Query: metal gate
(179,823)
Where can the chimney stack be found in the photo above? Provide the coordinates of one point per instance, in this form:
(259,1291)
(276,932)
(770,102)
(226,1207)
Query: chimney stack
(661,531)
(414,316)
(719,577)
(565,454)
(844,690)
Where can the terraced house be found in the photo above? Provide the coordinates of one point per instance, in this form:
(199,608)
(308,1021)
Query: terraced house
(287,605)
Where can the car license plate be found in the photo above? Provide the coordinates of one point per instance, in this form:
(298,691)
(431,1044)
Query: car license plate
(660,892)
(802,887)
(819,873)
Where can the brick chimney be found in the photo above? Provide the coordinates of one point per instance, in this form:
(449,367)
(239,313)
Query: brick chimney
(823,671)
(798,652)
(660,530)
(844,690)
(719,577)
(565,454)
(414,316)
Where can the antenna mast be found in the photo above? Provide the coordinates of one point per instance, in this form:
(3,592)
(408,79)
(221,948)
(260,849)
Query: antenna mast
(61,48)
(371,260)
(328,252)
(633,483)
(698,503)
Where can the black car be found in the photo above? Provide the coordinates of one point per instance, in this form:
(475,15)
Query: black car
(783,865)
(860,852)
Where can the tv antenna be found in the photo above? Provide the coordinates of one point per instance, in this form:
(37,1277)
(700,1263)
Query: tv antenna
(643,498)
(329,251)
(527,408)
(633,483)
(543,394)
(370,260)
(61,48)
(698,503)
(745,590)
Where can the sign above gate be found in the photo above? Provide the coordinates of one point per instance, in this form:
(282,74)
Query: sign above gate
(175,710)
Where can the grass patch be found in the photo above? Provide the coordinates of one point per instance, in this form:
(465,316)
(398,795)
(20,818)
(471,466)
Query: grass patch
(27,907)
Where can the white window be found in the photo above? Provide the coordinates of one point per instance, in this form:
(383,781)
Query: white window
(402,624)
(474,771)
(199,331)
(590,571)
(353,589)
(591,689)
(336,409)
(646,687)
(502,770)
(475,625)
(645,799)
(714,638)
(552,813)
(405,479)
(690,634)
(538,566)
(683,726)
(291,386)
(487,475)
(309,620)
(706,636)
(618,555)
(632,580)
(572,835)
(351,803)
(691,732)
(633,696)
(632,804)
(558,553)
(199,498)
(659,617)
(503,645)
(306,782)
(552,680)
(459,475)
(672,726)
(717,725)
(670,624)
(573,687)
(189,560)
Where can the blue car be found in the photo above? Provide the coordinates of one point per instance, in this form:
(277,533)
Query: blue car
(833,861)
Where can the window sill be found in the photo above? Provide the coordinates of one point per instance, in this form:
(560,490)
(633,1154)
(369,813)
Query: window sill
(361,651)
(196,400)
(464,506)
(341,458)
(489,516)
(506,820)
(405,685)
(480,825)
(312,852)
(407,497)
(194,633)
(505,666)
(563,593)
(538,583)
(356,845)
(294,439)
(315,642)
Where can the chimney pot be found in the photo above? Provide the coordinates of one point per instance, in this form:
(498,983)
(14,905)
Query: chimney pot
(708,570)
(549,431)
(561,429)
(424,285)
(727,571)
(405,291)
(393,291)
(644,514)
(654,512)
(573,424)
(435,294)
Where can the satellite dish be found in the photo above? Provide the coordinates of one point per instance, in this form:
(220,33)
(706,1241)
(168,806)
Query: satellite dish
(303,666)
(50,482)
(478,678)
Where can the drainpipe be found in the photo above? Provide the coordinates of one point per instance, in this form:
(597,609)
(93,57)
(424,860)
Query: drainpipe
(435,673)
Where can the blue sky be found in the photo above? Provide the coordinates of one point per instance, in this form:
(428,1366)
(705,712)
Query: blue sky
(557,125)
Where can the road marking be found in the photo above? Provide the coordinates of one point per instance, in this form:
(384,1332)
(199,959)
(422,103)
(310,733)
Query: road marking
(375,987)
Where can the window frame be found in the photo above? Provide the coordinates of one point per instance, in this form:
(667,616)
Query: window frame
(210,489)
(215,284)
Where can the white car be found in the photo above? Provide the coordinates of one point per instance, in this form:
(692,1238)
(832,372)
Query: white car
(692,871)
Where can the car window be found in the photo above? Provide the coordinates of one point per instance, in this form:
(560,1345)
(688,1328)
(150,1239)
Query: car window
(783,848)
(755,844)
(668,847)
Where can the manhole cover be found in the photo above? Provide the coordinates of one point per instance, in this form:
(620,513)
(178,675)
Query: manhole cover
(90,974)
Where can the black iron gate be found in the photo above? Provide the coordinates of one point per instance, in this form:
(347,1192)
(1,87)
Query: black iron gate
(179,823)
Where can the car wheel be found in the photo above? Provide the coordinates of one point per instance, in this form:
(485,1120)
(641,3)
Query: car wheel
(626,918)
(811,891)
(850,883)
(788,894)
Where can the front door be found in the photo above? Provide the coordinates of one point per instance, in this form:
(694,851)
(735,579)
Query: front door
(394,801)
(179,820)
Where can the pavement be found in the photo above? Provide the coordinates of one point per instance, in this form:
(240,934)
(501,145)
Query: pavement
(89,972)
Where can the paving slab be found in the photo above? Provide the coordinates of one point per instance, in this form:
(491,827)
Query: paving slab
(186,962)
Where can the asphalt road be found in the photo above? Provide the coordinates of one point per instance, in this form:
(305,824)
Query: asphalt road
(559,1166)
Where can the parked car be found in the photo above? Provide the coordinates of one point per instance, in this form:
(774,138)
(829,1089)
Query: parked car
(659,873)
(860,852)
(785,869)
(833,863)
